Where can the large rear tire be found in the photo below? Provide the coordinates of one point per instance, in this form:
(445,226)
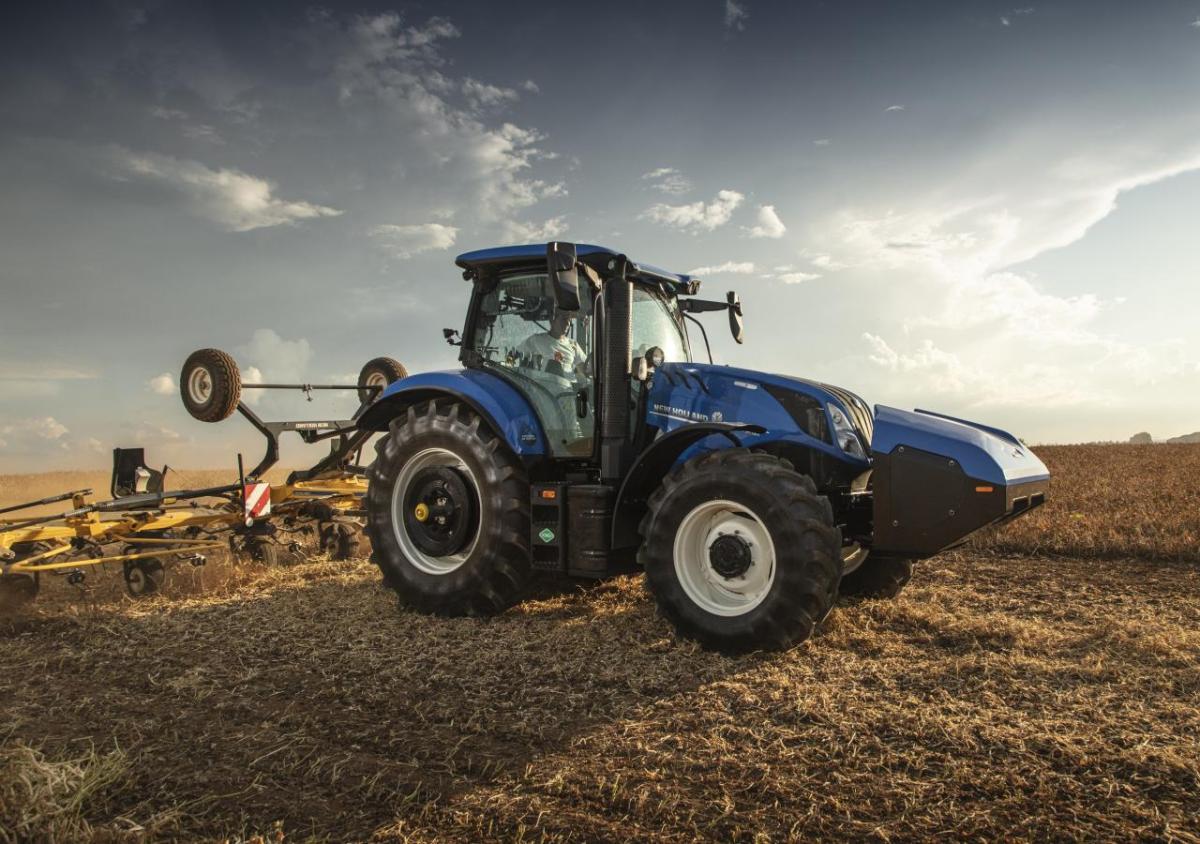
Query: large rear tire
(741,552)
(878,577)
(440,461)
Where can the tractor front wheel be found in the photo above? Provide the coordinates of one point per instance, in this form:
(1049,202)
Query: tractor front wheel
(448,508)
(741,552)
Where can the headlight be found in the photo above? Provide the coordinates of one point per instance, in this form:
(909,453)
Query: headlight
(845,434)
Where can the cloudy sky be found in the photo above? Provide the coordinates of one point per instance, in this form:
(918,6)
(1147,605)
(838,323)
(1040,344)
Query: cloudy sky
(974,207)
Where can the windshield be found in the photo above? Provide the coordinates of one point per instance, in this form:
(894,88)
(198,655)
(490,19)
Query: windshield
(657,322)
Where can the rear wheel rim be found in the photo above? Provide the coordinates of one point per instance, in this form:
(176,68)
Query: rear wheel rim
(701,582)
(421,460)
(376,379)
(199,385)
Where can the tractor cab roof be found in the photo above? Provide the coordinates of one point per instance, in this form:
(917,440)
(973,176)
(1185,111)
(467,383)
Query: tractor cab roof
(533,255)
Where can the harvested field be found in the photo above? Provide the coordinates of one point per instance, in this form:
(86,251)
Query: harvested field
(1041,684)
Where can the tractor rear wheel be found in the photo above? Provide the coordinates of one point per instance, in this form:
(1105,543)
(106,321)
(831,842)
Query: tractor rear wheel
(741,552)
(376,375)
(448,507)
(211,385)
(878,577)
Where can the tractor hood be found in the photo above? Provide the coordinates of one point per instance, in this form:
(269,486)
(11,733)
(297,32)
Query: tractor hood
(934,479)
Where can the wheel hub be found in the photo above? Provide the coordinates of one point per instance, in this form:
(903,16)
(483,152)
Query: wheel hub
(730,556)
(440,512)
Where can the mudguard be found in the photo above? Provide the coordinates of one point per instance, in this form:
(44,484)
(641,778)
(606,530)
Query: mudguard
(936,480)
(493,398)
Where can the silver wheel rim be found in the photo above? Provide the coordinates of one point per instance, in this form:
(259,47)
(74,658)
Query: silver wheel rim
(376,379)
(713,593)
(137,581)
(423,460)
(199,385)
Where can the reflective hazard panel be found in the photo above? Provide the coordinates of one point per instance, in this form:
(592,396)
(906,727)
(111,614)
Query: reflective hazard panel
(258,500)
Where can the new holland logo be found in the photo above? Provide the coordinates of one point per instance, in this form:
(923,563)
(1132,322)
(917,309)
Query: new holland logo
(546,535)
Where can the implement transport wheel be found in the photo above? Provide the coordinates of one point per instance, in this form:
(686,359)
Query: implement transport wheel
(449,512)
(379,372)
(210,384)
(878,577)
(265,552)
(143,577)
(17,590)
(741,552)
(340,540)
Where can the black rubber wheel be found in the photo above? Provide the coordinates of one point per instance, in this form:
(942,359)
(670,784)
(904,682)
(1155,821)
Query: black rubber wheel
(210,384)
(729,508)
(144,577)
(878,577)
(265,552)
(379,372)
(487,571)
(340,540)
(17,590)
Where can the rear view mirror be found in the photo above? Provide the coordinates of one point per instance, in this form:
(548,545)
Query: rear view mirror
(736,328)
(564,277)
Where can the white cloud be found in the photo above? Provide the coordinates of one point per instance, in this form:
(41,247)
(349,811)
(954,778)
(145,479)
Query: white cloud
(822,142)
(271,357)
(797,277)
(894,108)
(769,224)
(234,200)
(482,95)
(1196,23)
(1004,21)
(393,76)
(736,15)
(405,241)
(668,180)
(732,267)
(515,231)
(696,216)
(826,262)
(162,385)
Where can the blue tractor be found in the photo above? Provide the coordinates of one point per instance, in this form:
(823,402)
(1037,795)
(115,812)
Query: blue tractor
(581,437)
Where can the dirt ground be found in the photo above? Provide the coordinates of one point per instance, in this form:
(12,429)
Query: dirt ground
(1002,696)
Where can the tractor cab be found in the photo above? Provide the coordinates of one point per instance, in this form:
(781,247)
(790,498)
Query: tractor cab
(546,343)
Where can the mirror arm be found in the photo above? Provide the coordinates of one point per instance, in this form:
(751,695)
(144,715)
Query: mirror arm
(703,334)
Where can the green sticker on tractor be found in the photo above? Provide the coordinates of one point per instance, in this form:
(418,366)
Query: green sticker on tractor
(546,535)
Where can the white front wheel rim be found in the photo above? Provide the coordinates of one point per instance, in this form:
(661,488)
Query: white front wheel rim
(377,379)
(701,582)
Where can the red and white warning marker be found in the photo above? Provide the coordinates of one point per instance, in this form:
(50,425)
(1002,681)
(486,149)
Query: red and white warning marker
(258,501)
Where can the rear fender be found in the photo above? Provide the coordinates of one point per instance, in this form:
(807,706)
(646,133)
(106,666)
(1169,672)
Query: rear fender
(499,403)
(936,480)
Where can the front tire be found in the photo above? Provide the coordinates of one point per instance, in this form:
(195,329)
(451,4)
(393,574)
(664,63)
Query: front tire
(441,461)
(741,552)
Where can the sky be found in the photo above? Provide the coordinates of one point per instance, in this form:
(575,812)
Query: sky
(972,207)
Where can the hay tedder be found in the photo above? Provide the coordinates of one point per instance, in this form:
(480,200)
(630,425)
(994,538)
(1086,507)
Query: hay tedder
(145,526)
